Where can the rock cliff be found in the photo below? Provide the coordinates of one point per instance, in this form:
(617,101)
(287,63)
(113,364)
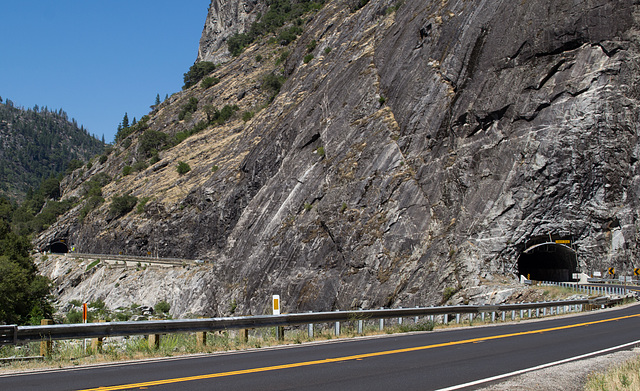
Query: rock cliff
(226,18)
(415,148)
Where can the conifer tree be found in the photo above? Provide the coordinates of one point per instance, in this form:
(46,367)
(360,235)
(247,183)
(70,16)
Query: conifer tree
(125,121)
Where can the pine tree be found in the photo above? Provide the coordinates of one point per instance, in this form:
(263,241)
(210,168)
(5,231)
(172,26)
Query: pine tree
(157,100)
(125,121)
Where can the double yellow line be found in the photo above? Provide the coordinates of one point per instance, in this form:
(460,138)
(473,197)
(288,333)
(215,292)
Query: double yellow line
(347,358)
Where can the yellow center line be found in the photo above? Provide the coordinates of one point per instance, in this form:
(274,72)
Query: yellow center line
(349,358)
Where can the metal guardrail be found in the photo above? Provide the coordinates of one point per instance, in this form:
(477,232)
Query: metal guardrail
(8,335)
(600,289)
(134,258)
(18,334)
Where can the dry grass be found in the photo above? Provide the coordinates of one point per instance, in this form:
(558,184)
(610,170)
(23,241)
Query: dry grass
(622,377)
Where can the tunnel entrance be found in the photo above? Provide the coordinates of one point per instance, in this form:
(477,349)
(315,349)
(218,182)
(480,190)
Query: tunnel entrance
(546,259)
(59,247)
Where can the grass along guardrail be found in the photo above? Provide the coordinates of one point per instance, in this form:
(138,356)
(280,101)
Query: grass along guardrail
(140,343)
(12,334)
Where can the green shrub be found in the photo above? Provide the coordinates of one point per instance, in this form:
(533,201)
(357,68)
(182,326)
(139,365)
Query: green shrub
(92,202)
(188,108)
(312,46)
(272,83)
(183,168)
(103,159)
(162,307)
(197,72)
(122,205)
(307,58)
(283,57)
(226,113)
(209,81)
(247,116)
(140,166)
(126,170)
(141,204)
(448,293)
(289,35)
(327,50)
(74,316)
(151,141)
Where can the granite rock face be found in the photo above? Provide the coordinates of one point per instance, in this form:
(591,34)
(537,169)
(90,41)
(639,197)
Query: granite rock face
(225,18)
(422,148)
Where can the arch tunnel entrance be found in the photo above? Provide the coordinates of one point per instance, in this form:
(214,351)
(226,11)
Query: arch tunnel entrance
(548,261)
(59,247)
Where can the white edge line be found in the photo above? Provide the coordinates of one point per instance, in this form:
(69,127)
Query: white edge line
(520,372)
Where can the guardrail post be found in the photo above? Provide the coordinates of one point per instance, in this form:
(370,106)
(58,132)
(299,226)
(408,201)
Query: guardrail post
(493,316)
(482,317)
(96,343)
(400,318)
(154,341)
(381,325)
(360,326)
(446,319)
(337,329)
(46,347)
(513,315)
(201,339)
(310,330)
(503,316)
(280,333)
(458,318)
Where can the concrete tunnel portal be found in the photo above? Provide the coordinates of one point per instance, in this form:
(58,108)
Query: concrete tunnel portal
(59,247)
(548,260)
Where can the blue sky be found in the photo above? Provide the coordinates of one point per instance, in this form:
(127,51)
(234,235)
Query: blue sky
(97,59)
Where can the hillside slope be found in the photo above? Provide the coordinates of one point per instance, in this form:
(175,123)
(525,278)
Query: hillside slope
(36,144)
(414,148)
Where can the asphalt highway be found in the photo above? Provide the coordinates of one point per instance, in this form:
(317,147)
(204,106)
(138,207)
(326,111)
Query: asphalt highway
(417,361)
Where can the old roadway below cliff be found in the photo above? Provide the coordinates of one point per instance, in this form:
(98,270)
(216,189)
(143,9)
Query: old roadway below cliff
(136,259)
(451,359)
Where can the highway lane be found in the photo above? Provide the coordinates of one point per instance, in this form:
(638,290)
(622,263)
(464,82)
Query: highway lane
(419,361)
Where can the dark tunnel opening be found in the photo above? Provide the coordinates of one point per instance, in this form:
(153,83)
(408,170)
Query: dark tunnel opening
(59,248)
(548,261)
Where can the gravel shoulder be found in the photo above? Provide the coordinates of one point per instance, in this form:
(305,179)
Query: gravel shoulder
(571,376)
(567,377)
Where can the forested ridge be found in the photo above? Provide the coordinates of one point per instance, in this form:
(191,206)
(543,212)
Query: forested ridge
(38,143)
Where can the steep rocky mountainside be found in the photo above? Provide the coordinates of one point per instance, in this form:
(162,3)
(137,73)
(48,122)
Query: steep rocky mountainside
(415,148)
(226,18)
(36,144)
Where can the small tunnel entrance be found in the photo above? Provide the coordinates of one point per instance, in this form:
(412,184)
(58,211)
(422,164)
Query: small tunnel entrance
(548,260)
(59,247)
